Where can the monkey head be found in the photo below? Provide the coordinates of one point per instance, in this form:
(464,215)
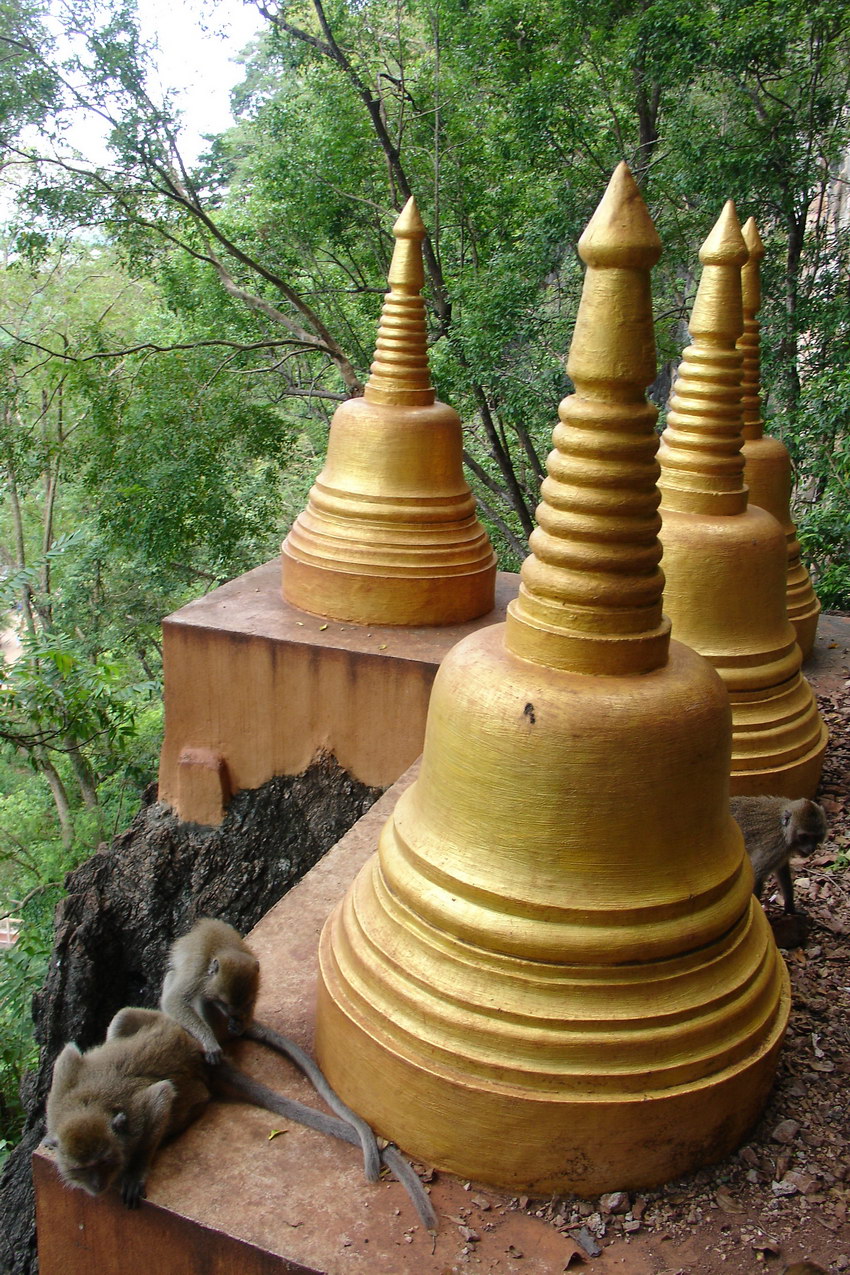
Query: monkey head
(91,1149)
(233,979)
(803,826)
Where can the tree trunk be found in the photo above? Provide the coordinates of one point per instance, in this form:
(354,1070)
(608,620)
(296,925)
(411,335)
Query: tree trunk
(60,796)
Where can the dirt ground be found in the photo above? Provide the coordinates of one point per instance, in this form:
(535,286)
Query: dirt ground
(783,1197)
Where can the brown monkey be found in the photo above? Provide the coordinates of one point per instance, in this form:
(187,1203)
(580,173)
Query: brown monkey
(211,984)
(774,829)
(110,1108)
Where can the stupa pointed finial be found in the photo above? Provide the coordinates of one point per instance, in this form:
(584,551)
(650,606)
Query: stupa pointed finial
(750,341)
(717,311)
(399,372)
(701,462)
(590,597)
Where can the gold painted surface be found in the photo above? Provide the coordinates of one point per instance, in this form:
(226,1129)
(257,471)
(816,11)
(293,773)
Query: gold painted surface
(725,559)
(767,464)
(590,592)
(389,534)
(553,976)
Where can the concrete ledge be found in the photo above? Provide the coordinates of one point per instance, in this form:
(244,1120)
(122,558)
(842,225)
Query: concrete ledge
(261,687)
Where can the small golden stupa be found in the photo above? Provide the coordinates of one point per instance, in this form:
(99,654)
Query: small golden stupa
(389,535)
(767,464)
(725,561)
(553,975)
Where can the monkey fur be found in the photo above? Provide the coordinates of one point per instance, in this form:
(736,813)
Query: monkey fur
(109,1109)
(774,829)
(211,984)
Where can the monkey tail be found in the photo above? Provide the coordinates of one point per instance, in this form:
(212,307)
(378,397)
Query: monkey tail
(234,1083)
(311,1069)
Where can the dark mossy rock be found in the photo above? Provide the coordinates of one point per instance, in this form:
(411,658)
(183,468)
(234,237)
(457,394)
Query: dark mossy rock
(127,903)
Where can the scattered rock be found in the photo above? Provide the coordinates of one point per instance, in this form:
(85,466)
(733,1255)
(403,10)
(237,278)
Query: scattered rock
(786,1131)
(588,1243)
(615,1202)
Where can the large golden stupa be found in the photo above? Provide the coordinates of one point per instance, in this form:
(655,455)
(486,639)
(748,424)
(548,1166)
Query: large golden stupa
(552,975)
(390,534)
(725,560)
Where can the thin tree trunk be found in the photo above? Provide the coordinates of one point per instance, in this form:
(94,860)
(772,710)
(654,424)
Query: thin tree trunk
(60,796)
(83,774)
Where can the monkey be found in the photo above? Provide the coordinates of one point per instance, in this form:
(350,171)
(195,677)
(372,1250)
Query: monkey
(211,982)
(109,1109)
(774,829)
(804,1268)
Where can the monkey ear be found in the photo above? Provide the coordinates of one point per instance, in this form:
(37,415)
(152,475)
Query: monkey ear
(119,1122)
(213,966)
(158,1100)
(66,1068)
(786,817)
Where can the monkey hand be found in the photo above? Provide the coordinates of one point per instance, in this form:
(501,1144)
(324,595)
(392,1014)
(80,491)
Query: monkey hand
(213,1056)
(132,1191)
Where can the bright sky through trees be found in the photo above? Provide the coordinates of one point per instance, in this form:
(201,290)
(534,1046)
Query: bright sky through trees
(197,44)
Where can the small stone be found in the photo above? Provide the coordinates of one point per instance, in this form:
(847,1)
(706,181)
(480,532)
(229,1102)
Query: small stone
(614,1202)
(786,1131)
(841,1262)
(631,1225)
(784,1187)
(804,1182)
(588,1243)
(765,1244)
(749,1156)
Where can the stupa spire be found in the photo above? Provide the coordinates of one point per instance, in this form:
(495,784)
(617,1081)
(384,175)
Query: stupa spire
(399,373)
(590,596)
(703,470)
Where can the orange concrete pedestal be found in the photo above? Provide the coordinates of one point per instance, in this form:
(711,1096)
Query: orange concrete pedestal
(256,688)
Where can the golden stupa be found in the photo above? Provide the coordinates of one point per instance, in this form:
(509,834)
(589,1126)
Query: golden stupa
(553,975)
(725,561)
(389,535)
(767,464)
